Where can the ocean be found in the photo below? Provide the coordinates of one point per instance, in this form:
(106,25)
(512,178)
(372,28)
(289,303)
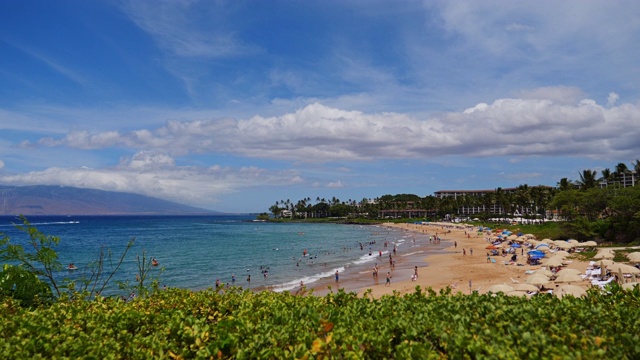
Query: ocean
(194,251)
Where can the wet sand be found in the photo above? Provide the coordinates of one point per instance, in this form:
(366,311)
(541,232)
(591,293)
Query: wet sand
(440,266)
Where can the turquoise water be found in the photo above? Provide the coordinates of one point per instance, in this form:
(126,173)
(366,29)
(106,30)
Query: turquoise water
(195,251)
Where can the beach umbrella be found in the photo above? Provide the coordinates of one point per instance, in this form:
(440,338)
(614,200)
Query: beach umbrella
(491,247)
(516,293)
(603,255)
(536,254)
(634,256)
(589,243)
(572,290)
(542,245)
(547,241)
(504,288)
(630,286)
(606,262)
(544,272)
(573,241)
(626,269)
(525,287)
(555,261)
(519,246)
(537,279)
(561,253)
(567,278)
(565,245)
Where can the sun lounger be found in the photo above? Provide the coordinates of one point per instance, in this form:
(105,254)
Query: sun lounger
(602,284)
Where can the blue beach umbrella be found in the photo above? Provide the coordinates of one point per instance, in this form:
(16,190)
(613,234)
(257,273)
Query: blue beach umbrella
(516,245)
(536,254)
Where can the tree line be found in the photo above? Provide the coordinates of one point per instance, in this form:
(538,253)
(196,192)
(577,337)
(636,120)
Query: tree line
(605,207)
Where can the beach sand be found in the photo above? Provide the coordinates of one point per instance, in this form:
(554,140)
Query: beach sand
(441,266)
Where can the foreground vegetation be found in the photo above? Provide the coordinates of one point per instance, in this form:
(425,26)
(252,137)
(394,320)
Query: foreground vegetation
(41,317)
(242,324)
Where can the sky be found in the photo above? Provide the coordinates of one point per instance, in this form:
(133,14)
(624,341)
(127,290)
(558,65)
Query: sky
(234,105)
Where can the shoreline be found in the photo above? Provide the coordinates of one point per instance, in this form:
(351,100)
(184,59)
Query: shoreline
(440,266)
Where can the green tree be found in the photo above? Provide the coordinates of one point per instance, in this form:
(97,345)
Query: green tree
(625,218)
(565,184)
(588,179)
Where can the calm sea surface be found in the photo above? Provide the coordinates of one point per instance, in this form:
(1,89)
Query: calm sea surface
(195,251)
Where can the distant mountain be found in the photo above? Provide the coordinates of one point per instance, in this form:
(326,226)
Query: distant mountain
(62,200)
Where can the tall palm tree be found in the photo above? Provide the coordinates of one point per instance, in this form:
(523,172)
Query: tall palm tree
(588,179)
(606,176)
(621,173)
(523,199)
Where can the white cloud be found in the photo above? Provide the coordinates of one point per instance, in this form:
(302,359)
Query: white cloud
(156,175)
(538,125)
(186,29)
(335,184)
(1,164)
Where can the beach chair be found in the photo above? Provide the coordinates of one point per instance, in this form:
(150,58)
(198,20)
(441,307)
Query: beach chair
(514,281)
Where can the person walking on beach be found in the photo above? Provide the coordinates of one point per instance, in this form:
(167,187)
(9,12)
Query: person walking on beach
(455,244)
(415,271)
(471,251)
(464,252)
(388,279)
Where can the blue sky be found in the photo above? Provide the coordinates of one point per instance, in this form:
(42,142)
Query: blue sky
(233,105)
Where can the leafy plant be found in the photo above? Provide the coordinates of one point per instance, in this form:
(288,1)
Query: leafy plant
(41,261)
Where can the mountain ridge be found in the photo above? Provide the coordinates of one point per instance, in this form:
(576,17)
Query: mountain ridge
(66,200)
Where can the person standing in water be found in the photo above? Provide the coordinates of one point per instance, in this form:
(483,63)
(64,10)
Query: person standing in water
(337,276)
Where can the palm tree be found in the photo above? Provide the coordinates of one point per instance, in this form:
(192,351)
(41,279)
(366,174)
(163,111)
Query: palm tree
(621,173)
(606,176)
(564,184)
(523,199)
(587,180)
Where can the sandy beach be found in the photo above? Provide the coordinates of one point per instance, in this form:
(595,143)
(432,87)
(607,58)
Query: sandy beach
(459,263)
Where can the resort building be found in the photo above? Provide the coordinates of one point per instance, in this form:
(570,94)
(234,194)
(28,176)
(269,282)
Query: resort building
(624,180)
(477,206)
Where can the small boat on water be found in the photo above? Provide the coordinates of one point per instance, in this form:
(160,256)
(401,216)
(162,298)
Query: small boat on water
(154,262)
(72,267)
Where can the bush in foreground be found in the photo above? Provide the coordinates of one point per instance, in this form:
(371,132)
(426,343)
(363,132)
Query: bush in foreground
(242,324)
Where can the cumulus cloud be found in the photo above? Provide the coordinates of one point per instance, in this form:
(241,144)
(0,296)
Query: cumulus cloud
(545,122)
